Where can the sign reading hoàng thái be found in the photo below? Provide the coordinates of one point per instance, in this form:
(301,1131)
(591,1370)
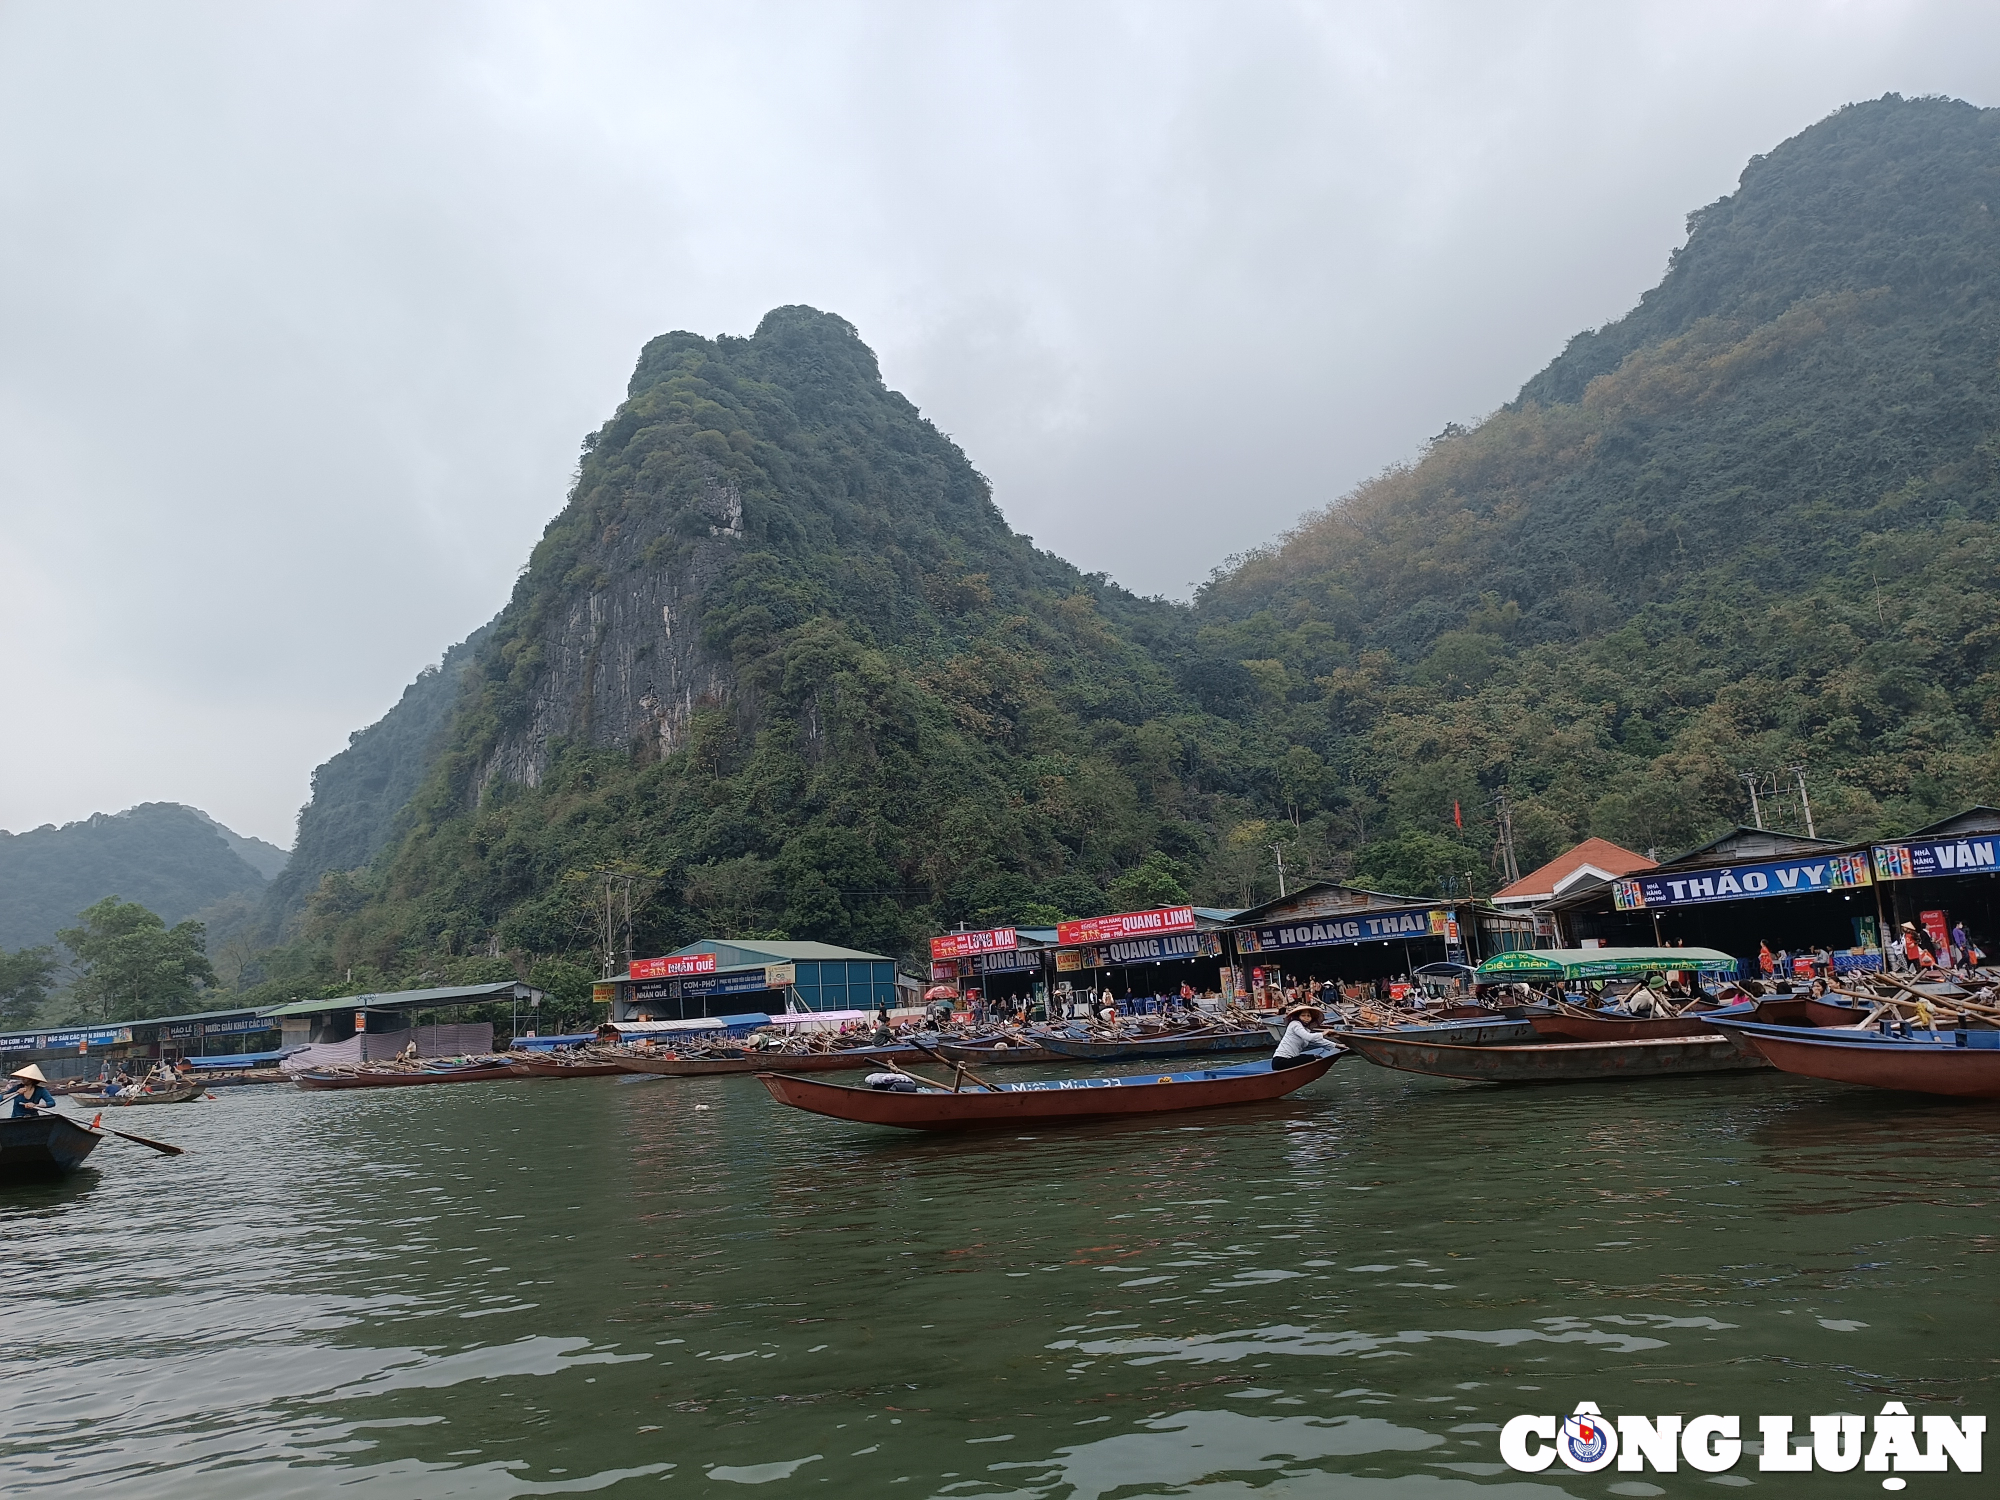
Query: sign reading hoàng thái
(1794,877)
(1327,932)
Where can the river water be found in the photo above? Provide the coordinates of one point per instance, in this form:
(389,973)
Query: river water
(676,1287)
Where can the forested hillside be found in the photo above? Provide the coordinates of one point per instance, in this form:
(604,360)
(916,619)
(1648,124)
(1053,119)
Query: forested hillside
(1749,526)
(781,662)
(176,860)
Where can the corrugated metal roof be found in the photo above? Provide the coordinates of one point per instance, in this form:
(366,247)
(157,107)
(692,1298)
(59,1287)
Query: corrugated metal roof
(463,994)
(781,952)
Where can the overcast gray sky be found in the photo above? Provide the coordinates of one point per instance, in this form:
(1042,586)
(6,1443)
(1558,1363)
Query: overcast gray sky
(304,308)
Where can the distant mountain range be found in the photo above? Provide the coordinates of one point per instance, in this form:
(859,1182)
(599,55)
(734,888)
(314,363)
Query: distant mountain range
(779,666)
(176,860)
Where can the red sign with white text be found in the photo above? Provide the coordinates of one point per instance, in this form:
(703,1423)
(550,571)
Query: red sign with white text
(1126,924)
(965,944)
(671,968)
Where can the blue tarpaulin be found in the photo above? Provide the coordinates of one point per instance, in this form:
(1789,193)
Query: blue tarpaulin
(550,1043)
(241,1059)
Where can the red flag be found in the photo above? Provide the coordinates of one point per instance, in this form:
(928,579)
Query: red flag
(1457,817)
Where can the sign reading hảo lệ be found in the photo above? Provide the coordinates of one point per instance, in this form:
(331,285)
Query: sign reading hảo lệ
(1799,877)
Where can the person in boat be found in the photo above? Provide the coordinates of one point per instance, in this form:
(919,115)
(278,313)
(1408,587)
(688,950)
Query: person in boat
(27,1093)
(1299,1037)
(409,1052)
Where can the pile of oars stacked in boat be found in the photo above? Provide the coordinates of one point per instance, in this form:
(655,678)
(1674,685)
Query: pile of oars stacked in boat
(420,1065)
(1898,999)
(783,1042)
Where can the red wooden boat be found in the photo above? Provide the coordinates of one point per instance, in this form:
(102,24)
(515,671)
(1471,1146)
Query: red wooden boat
(1046,1102)
(547,1067)
(772,1062)
(402,1079)
(1961,1064)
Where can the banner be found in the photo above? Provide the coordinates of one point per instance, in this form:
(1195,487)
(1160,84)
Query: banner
(722,984)
(1009,963)
(217,1028)
(1328,932)
(1125,925)
(1069,961)
(965,944)
(672,967)
(780,976)
(1949,857)
(1821,872)
(1153,950)
(50,1041)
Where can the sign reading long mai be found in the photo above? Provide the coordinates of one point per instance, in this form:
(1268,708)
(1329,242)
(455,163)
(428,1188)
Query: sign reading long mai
(1127,924)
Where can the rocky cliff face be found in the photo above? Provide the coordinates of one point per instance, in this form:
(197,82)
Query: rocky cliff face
(624,664)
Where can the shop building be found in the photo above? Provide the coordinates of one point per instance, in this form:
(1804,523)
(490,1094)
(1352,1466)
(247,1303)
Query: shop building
(720,977)
(1145,956)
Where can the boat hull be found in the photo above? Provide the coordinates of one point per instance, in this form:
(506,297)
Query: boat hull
(990,1055)
(1620,1029)
(1044,1103)
(1910,1065)
(1181,1046)
(536,1067)
(774,1062)
(182,1095)
(41,1148)
(1557,1062)
(404,1080)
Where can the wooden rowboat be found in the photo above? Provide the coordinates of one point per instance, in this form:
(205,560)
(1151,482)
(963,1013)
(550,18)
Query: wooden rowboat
(1619,1028)
(387,1078)
(1960,1064)
(989,1051)
(39,1148)
(1181,1044)
(1557,1062)
(772,1062)
(181,1094)
(545,1067)
(1060,1099)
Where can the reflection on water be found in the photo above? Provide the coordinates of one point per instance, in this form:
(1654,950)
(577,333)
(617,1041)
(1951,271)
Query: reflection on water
(608,1286)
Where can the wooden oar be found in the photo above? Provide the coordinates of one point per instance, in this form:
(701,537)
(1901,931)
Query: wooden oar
(98,1124)
(962,1068)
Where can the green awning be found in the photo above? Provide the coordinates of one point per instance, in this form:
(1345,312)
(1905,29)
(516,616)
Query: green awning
(1539,965)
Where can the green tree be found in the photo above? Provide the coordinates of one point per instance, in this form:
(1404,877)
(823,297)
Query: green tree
(26,977)
(1158,881)
(134,965)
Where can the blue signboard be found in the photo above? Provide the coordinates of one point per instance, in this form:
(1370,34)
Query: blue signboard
(1152,950)
(236,1027)
(1798,877)
(49,1041)
(1936,857)
(1009,961)
(1328,932)
(718,984)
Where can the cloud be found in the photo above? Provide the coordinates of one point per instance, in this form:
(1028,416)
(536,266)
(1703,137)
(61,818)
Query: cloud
(308,307)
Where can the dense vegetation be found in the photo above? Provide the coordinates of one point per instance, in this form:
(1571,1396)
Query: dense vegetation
(1747,527)
(173,859)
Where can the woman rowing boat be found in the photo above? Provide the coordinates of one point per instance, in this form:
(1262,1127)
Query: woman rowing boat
(1298,1037)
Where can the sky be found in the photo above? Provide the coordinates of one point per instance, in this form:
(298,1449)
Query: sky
(305,309)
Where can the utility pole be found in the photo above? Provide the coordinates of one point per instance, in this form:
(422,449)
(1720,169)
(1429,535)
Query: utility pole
(1804,805)
(1279,850)
(1750,779)
(1504,814)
